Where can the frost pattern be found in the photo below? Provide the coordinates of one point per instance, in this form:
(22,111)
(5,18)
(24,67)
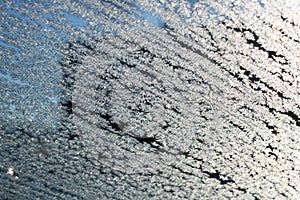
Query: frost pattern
(168,99)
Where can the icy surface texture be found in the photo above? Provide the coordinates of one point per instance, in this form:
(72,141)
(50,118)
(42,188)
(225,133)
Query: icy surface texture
(150,99)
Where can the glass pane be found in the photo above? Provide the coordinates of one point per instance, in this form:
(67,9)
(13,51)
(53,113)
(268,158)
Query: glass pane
(149,99)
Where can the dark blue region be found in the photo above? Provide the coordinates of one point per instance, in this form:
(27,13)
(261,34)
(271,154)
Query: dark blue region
(193,2)
(149,17)
(74,20)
